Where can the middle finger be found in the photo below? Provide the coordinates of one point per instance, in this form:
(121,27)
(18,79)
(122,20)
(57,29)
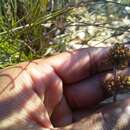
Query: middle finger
(89,92)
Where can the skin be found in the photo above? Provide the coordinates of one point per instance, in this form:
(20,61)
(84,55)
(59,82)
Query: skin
(57,91)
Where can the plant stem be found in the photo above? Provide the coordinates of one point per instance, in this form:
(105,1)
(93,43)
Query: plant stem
(115,87)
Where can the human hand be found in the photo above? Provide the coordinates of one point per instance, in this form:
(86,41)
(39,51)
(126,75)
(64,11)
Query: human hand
(57,90)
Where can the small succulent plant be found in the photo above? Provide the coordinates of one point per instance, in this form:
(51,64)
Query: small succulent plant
(119,56)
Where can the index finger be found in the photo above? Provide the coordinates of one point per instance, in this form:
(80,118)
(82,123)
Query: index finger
(77,65)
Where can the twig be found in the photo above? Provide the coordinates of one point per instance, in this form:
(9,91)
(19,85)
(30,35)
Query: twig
(122,28)
(16,29)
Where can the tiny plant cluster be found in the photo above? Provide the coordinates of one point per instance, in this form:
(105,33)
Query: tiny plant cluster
(119,57)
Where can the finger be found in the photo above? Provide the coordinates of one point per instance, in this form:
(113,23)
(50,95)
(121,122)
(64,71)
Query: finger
(90,92)
(76,65)
(113,116)
(78,114)
(62,114)
(84,94)
(81,113)
(93,122)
